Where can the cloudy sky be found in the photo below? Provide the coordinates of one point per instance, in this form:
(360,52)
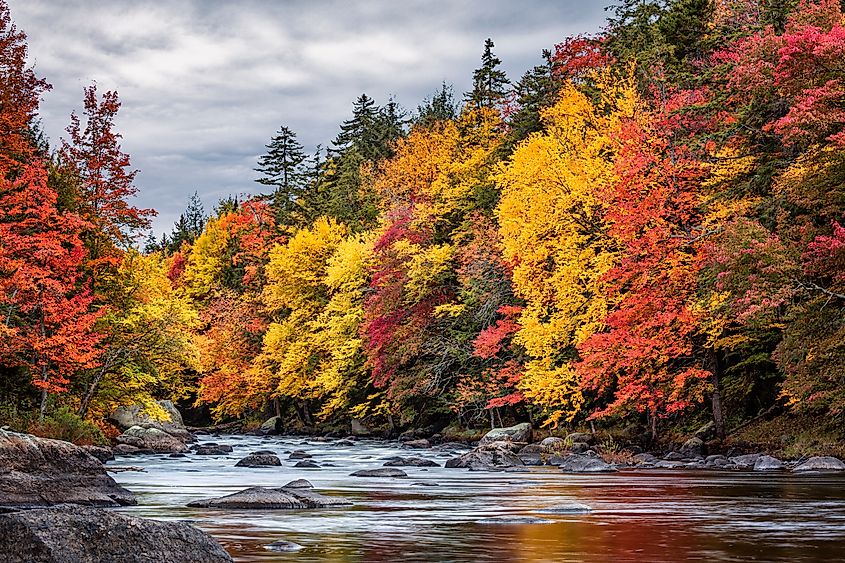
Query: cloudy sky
(204,84)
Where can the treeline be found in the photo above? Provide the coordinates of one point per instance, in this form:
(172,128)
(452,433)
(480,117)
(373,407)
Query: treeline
(645,226)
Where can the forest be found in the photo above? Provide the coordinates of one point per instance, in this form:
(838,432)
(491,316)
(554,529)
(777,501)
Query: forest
(647,227)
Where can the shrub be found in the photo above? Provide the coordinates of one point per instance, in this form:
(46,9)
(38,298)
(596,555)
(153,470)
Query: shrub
(64,424)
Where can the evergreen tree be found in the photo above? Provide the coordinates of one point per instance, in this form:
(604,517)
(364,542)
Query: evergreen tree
(535,91)
(440,106)
(190,224)
(489,82)
(359,132)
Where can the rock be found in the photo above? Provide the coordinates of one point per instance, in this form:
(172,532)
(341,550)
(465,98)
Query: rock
(645,458)
(176,455)
(486,457)
(283,546)
(664,464)
(262,452)
(344,443)
(821,464)
(553,443)
(570,508)
(71,534)
(127,417)
(358,428)
(126,449)
(693,447)
(381,472)
(515,520)
(419,444)
(263,498)
(581,437)
(674,456)
(271,426)
(411,462)
(745,461)
(41,472)
(518,433)
(153,439)
(579,447)
(768,463)
(213,449)
(263,460)
(307,464)
(706,432)
(584,464)
(299,484)
(299,454)
(101,453)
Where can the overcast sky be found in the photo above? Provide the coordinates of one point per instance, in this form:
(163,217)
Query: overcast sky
(204,84)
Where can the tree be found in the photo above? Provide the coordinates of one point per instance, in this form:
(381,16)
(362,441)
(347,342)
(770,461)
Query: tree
(489,82)
(440,106)
(283,169)
(189,226)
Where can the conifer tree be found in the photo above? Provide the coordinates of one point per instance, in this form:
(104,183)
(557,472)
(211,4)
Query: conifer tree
(440,106)
(489,81)
(283,168)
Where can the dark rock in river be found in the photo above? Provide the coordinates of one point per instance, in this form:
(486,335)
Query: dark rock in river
(299,454)
(262,498)
(299,484)
(768,463)
(126,449)
(76,534)
(381,472)
(411,462)
(584,464)
(153,439)
(41,472)
(821,463)
(213,449)
(517,433)
(262,460)
(486,457)
(419,444)
(283,546)
(579,447)
(101,453)
(307,464)
(262,452)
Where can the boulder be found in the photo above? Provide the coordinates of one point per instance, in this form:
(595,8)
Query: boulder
(581,437)
(693,447)
(299,484)
(821,464)
(674,456)
(307,464)
(745,461)
(645,458)
(418,444)
(271,426)
(283,546)
(127,417)
(213,449)
(584,464)
(70,534)
(768,463)
(41,472)
(411,462)
(517,433)
(299,454)
(706,432)
(358,428)
(101,453)
(263,498)
(553,443)
(381,472)
(486,457)
(579,447)
(262,460)
(153,439)
(126,449)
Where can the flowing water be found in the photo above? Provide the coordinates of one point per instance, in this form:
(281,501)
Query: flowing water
(439,514)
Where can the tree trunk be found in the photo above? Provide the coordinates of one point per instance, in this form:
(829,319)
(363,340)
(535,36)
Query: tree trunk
(42,411)
(716,396)
(654,426)
(277,407)
(89,395)
(492,422)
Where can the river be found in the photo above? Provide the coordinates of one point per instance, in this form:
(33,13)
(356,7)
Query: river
(439,514)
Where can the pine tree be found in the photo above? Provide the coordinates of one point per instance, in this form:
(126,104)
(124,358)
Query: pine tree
(536,90)
(440,106)
(190,224)
(283,168)
(489,82)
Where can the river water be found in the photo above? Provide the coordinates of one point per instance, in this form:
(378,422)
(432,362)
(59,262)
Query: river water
(439,514)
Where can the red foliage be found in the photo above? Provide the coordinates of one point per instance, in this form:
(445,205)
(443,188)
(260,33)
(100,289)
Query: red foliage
(577,56)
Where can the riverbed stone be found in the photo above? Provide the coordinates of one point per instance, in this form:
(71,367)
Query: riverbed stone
(584,437)
(820,464)
(41,472)
(101,453)
(693,447)
(411,462)
(153,439)
(768,463)
(263,498)
(77,534)
(517,433)
(380,472)
(486,457)
(282,546)
(307,464)
(263,460)
(417,444)
(299,454)
(746,461)
(584,464)
(213,449)
(271,426)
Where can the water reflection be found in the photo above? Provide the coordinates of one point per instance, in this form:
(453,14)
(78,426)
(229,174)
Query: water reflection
(637,516)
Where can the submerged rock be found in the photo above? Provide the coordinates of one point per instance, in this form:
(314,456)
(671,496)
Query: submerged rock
(517,433)
(411,462)
(486,457)
(307,464)
(381,472)
(821,464)
(584,464)
(153,439)
(418,444)
(263,498)
(259,460)
(41,472)
(283,546)
(299,454)
(71,534)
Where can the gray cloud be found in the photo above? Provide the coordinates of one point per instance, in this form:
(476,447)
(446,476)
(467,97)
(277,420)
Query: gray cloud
(204,84)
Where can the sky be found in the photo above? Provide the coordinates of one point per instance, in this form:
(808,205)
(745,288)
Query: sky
(205,84)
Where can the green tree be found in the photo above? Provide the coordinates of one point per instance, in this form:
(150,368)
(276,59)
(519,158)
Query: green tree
(489,82)
(283,168)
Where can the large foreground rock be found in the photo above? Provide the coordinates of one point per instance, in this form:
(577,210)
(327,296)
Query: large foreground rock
(76,534)
(582,464)
(127,417)
(293,495)
(821,463)
(153,439)
(517,433)
(41,472)
(486,458)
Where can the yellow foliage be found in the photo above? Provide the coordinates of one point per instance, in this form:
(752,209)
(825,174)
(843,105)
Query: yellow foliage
(206,261)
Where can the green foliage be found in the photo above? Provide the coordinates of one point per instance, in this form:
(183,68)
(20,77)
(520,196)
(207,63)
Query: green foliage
(64,424)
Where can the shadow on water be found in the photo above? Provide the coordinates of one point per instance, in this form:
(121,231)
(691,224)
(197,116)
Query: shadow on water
(636,516)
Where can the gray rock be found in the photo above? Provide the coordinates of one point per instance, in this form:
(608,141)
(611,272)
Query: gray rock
(153,439)
(411,462)
(299,454)
(101,453)
(579,447)
(381,472)
(127,417)
(283,546)
(262,452)
(76,534)
(645,458)
(262,498)
(307,464)
(745,461)
(418,444)
(553,442)
(126,449)
(706,432)
(668,464)
(768,463)
(584,464)
(41,472)
(262,460)
(299,484)
(581,437)
(821,464)
(518,433)
(674,456)
(271,426)
(486,457)
(358,428)
(213,449)
(693,447)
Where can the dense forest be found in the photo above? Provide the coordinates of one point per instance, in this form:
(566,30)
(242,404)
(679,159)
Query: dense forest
(646,227)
